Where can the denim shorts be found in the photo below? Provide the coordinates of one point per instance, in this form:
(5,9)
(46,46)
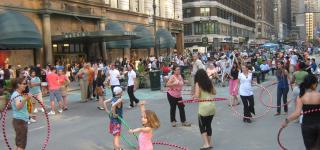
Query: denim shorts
(55,94)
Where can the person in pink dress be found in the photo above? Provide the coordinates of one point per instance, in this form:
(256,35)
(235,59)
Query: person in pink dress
(149,121)
(233,84)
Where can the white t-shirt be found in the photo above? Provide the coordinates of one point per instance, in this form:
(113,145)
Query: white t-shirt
(114,74)
(245,84)
(1,74)
(131,76)
(294,60)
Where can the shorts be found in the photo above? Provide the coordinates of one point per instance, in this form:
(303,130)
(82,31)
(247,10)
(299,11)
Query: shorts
(115,128)
(21,129)
(55,94)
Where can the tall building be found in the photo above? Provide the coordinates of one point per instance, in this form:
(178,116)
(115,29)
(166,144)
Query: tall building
(282,18)
(265,21)
(224,22)
(68,31)
(297,20)
(312,18)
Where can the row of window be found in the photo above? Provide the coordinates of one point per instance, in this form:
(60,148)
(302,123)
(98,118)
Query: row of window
(234,18)
(207,11)
(246,8)
(209,27)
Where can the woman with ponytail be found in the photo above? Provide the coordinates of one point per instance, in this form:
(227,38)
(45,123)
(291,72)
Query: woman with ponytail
(309,99)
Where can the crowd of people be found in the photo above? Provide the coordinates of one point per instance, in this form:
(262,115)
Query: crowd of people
(240,69)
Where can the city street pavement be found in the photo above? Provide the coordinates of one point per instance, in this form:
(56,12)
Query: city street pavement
(84,127)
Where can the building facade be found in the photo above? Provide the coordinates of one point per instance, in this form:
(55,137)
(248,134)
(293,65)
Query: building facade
(265,21)
(282,18)
(297,20)
(77,30)
(225,23)
(312,18)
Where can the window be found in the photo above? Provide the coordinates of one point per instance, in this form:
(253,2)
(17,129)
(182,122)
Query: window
(187,13)
(188,29)
(204,11)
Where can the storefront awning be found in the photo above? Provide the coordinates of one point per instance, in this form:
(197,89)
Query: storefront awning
(147,40)
(18,32)
(114,26)
(165,39)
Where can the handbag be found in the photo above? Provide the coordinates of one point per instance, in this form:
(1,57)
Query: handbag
(100,91)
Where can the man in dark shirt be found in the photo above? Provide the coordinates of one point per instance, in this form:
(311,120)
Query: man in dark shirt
(37,69)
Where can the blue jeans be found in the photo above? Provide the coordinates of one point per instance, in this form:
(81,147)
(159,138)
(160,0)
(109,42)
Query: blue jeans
(282,92)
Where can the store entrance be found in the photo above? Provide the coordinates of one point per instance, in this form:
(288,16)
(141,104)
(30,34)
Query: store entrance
(64,59)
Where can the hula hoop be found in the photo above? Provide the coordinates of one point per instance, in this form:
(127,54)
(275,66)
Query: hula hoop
(271,106)
(166,90)
(202,100)
(256,116)
(281,129)
(169,145)
(279,142)
(4,123)
(123,137)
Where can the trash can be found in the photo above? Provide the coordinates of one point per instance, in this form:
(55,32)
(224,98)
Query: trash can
(155,80)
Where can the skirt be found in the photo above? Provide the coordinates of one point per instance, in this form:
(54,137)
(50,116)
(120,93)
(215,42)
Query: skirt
(64,90)
(233,87)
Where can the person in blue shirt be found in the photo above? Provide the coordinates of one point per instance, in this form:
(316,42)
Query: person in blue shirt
(20,112)
(313,65)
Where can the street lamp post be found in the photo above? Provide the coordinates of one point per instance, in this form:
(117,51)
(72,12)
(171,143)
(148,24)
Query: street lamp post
(231,40)
(155,28)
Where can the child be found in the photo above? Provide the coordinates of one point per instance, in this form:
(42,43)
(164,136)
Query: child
(116,110)
(149,121)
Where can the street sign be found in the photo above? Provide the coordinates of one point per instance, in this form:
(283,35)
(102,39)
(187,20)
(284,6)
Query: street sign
(205,40)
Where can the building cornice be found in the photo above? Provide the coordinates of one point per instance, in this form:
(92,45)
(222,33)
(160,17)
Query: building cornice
(88,3)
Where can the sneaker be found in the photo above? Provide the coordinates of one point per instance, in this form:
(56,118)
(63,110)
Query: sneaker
(173,124)
(100,108)
(51,113)
(130,106)
(35,110)
(186,124)
(41,109)
(32,120)
(60,111)
(29,122)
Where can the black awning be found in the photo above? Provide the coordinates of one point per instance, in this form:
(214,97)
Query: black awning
(116,27)
(18,31)
(147,40)
(165,39)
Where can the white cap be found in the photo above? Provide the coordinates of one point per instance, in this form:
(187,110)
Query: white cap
(117,90)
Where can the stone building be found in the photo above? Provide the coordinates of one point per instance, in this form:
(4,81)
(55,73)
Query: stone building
(75,30)
(224,23)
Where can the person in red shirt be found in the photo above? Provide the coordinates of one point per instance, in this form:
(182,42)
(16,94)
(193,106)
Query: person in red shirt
(54,90)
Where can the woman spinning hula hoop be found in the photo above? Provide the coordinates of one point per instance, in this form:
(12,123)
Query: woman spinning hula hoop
(204,89)
(246,93)
(283,80)
(20,113)
(309,99)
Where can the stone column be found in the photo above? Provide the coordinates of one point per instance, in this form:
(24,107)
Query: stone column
(47,45)
(103,44)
